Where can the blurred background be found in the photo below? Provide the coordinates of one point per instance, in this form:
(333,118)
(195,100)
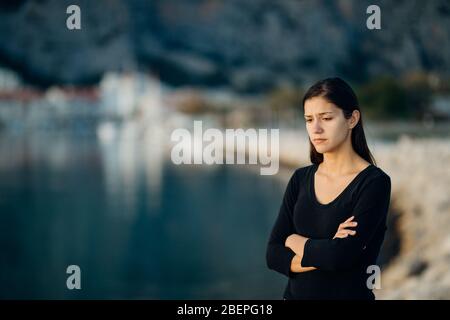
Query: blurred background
(85,123)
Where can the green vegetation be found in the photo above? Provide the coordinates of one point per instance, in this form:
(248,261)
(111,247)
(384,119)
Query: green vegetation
(389,98)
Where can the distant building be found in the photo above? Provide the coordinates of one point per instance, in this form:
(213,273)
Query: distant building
(440,107)
(8,80)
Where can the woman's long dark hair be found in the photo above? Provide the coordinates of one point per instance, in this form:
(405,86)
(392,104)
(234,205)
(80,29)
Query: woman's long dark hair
(338,92)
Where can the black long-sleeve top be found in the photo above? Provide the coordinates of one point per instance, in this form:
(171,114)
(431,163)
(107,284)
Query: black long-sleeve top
(342,262)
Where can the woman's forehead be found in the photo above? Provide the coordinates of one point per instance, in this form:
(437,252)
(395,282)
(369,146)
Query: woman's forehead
(318,106)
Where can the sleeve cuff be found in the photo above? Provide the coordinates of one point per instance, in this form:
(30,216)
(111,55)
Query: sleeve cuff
(290,256)
(306,259)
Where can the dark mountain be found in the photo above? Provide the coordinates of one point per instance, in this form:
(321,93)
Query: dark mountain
(248,45)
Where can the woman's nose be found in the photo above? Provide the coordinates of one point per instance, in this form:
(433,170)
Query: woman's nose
(317,127)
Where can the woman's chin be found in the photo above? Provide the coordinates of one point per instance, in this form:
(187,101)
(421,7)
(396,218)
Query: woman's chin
(321,149)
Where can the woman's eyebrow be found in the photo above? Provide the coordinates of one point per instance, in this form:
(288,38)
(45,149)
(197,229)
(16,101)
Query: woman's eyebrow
(308,115)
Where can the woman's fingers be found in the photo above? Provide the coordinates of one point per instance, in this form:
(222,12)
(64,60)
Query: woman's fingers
(347,232)
(349,219)
(343,233)
(348,224)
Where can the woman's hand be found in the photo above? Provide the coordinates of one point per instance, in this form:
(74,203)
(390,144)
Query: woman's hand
(292,239)
(342,231)
(296,243)
(296,265)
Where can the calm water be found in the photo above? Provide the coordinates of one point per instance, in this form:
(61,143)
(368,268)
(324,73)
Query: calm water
(138,226)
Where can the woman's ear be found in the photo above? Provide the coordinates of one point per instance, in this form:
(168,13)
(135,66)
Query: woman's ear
(353,121)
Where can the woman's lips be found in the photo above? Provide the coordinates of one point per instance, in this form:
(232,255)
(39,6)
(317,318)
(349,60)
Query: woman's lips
(318,141)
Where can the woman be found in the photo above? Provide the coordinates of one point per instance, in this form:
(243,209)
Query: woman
(332,219)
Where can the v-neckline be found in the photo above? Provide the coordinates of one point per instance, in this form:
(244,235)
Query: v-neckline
(313,189)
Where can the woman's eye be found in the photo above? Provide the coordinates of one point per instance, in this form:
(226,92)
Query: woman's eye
(309,120)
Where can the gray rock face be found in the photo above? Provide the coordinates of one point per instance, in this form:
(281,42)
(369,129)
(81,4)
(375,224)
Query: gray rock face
(248,45)
(37,43)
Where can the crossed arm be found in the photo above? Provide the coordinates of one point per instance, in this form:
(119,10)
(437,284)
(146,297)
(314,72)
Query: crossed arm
(288,252)
(296,243)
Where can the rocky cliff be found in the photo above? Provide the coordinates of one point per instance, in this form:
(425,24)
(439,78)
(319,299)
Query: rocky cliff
(246,45)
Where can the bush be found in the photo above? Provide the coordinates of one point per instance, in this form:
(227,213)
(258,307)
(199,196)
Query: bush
(418,93)
(389,98)
(384,98)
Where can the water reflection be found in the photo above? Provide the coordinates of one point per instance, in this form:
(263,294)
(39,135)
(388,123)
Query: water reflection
(138,226)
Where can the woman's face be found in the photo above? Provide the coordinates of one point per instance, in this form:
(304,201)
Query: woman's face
(326,121)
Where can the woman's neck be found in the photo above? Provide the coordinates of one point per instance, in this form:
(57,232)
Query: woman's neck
(341,164)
